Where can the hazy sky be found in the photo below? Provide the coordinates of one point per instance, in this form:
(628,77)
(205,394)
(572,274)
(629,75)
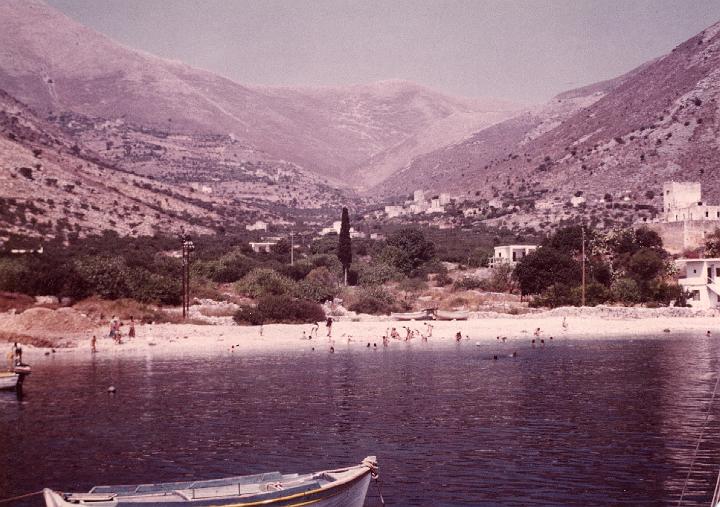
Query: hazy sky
(522,50)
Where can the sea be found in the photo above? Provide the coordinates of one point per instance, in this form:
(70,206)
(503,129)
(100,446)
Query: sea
(581,422)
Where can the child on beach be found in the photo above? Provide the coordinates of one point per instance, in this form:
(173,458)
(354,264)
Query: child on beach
(131,332)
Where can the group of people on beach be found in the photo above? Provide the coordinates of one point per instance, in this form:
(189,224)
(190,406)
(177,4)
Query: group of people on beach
(115,333)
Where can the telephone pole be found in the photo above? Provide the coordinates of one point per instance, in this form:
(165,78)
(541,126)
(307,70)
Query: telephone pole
(292,248)
(582,302)
(187,247)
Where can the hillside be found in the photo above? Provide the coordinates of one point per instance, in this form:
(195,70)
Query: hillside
(72,175)
(56,65)
(624,137)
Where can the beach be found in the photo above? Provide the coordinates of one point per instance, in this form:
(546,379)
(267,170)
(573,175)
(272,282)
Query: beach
(359,331)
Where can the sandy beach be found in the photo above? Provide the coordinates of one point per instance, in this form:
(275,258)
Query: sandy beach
(585,323)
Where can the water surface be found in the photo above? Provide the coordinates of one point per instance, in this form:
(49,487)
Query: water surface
(577,422)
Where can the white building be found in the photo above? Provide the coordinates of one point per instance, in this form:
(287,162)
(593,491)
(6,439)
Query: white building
(259,225)
(419,196)
(510,254)
(471,212)
(394,211)
(445,199)
(682,201)
(262,246)
(702,281)
(435,207)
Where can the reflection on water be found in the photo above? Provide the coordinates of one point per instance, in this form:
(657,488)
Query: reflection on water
(574,423)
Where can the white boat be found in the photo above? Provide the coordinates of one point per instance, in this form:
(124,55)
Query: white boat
(344,487)
(443,315)
(421,315)
(8,380)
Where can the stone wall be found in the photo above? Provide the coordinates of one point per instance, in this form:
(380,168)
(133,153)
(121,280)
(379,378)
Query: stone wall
(679,236)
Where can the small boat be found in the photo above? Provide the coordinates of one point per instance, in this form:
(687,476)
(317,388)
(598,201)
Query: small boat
(443,315)
(344,487)
(9,380)
(427,314)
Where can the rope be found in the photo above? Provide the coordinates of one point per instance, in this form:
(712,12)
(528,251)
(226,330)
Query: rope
(697,446)
(12,499)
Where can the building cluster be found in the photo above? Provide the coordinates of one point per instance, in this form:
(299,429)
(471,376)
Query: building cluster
(420,204)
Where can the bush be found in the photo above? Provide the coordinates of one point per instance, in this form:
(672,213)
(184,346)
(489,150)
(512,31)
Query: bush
(248,314)
(374,300)
(289,310)
(625,291)
(468,283)
(412,285)
(104,276)
(265,282)
(595,294)
(376,273)
(558,294)
(442,280)
(319,285)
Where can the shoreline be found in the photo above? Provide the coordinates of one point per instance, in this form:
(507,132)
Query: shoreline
(170,339)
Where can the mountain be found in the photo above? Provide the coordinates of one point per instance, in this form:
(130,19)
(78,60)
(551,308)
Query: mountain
(351,135)
(75,175)
(623,137)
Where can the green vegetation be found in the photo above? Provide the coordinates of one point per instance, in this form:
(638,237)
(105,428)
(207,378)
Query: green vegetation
(627,266)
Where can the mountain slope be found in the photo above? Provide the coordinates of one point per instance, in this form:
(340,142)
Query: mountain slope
(54,64)
(623,137)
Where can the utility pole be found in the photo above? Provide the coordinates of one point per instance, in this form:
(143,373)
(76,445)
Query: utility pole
(187,247)
(582,303)
(292,248)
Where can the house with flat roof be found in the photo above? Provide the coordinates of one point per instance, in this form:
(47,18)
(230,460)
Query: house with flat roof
(510,254)
(701,280)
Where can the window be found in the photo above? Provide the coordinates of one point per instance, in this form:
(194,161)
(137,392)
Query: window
(707,214)
(717,272)
(696,295)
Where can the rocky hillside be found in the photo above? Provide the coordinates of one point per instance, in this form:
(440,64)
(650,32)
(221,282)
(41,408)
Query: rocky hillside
(351,135)
(624,137)
(74,175)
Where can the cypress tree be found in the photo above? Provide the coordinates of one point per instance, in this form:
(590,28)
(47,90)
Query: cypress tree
(344,246)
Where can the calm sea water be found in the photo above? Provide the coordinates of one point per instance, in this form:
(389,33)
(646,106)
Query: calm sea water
(612,422)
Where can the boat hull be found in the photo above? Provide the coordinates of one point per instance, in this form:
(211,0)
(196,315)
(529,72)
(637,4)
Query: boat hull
(9,381)
(347,489)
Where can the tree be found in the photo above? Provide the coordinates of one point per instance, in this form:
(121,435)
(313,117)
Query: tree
(344,244)
(712,244)
(544,267)
(407,249)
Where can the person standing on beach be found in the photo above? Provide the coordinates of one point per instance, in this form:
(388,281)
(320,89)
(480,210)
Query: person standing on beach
(131,331)
(11,357)
(93,341)
(314,330)
(329,324)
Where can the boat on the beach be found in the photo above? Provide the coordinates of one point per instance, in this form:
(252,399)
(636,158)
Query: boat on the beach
(9,380)
(345,487)
(421,315)
(443,315)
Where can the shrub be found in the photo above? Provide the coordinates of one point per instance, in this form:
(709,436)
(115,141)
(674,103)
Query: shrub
(468,283)
(412,285)
(442,280)
(287,309)
(265,282)
(319,285)
(626,291)
(558,294)
(248,314)
(104,276)
(374,300)
(595,294)
(376,273)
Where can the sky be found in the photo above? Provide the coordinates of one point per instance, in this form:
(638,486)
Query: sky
(526,51)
